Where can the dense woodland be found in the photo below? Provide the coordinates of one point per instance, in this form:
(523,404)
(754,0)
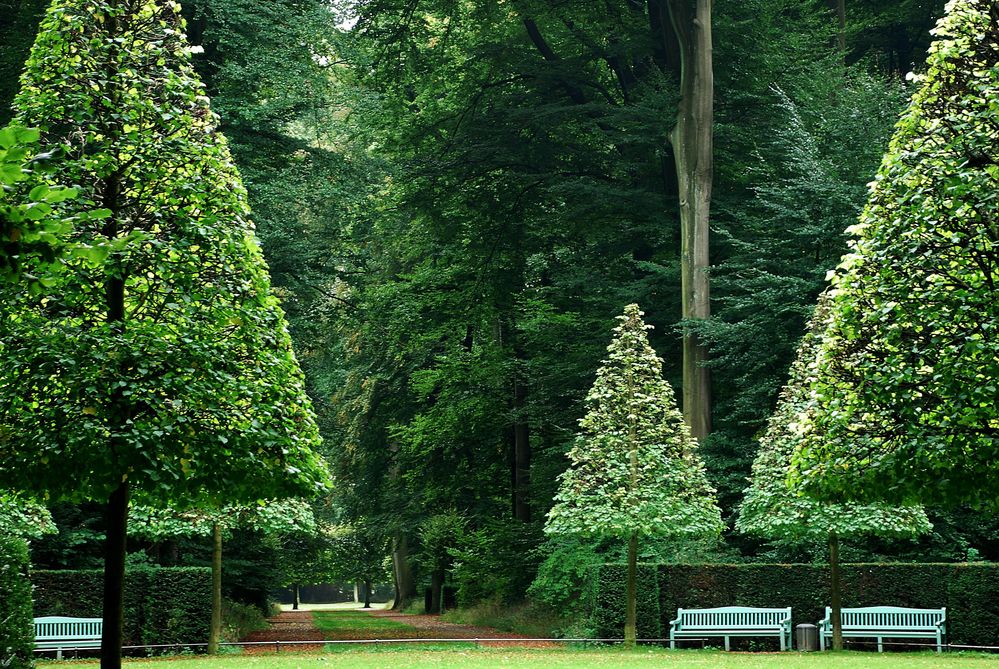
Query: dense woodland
(456,200)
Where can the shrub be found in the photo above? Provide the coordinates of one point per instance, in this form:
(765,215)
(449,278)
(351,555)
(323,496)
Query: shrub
(969,591)
(16,632)
(239,619)
(163,605)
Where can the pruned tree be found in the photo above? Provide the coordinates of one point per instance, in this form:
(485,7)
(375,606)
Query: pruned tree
(274,517)
(906,377)
(162,366)
(634,469)
(773,509)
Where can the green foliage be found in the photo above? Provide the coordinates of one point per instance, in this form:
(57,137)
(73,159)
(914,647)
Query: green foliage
(283,516)
(773,509)
(494,563)
(24,518)
(239,619)
(609,601)
(165,361)
(634,467)
(905,380)
(34,222)
(355,554)
(16,632)
(969,591)
(564,579)
(162,604)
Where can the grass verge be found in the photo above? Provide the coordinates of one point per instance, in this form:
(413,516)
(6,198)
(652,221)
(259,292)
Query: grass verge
(395,657)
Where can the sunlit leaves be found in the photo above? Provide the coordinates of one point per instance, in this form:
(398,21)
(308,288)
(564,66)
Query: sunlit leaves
(773,509)
(185,385)
(905,381)
(634,467)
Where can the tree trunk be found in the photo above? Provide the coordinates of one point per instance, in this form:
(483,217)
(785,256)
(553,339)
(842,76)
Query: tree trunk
(367,593)
(521,450)
(216,629)
(692,139)
(837,602)
(357,594)
(402,573)
(841,15)
(114,578)
(436,591)
(631,611)
(296,597)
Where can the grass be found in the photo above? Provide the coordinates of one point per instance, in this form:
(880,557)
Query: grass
(343,623)
(394,657)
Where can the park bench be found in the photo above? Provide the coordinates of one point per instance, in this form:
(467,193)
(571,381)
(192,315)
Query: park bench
(729,621)
(888,622)
(60,633)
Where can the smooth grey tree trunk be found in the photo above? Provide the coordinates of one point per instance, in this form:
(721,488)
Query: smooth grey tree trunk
(402,572)
(692,139)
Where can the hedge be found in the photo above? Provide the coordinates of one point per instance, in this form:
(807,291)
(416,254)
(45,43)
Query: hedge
(16,631)
(969,591)
(163,605)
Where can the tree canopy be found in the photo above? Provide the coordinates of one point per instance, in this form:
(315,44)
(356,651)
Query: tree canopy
(905,380)
(634,469)
(167,343)
(773,509)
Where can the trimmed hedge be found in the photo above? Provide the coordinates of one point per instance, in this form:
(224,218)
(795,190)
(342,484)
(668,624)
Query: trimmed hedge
(16,632)
(969,591)
(163,605)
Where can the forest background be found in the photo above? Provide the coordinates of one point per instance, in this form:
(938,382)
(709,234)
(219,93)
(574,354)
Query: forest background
(457,198)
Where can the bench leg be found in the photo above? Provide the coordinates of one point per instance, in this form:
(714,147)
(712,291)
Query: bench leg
(58,653)
(881,644)
(728,646)
(782,646)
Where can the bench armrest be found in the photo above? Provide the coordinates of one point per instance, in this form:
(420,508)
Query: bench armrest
(673,622)
(824,622)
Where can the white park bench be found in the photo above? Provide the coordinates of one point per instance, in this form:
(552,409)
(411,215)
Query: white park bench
(60,633)
(888,622)
(729,621)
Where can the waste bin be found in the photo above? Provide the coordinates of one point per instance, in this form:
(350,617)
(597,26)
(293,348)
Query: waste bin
(806,637)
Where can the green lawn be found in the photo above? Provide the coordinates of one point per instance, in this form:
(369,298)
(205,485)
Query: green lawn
(396,658)
(342,623)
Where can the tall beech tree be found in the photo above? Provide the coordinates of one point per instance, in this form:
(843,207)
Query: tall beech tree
(162,365)
(773,509)
(906,376)
(634,470)
(692,139)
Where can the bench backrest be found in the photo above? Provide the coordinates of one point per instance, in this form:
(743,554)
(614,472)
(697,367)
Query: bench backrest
(732,617)
(69,629)
(890,618)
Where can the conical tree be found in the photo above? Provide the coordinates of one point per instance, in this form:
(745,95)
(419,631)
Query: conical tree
(634,468)
(157,362)
(906,379)
(773,509)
